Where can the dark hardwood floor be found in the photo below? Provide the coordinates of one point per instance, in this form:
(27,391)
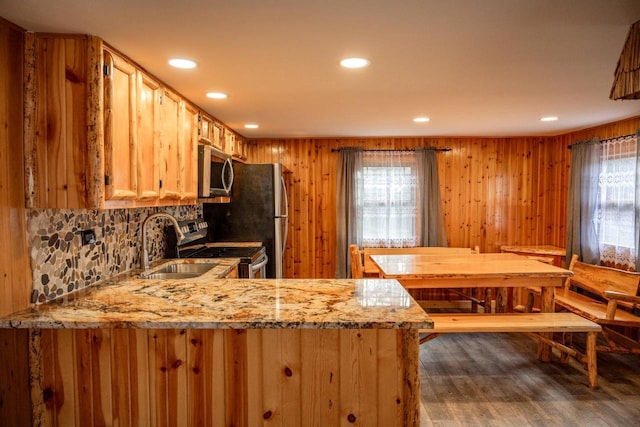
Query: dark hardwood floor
(496,380)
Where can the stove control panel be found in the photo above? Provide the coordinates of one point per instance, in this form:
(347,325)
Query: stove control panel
(193,229)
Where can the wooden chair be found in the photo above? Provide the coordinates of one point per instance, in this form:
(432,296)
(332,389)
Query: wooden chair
(608,297)
(357,268)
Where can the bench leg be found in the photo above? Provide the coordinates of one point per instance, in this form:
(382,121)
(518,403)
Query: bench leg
(592,359)
(546,306)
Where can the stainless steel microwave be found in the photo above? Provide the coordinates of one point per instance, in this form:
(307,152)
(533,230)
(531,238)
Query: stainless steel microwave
(215,172)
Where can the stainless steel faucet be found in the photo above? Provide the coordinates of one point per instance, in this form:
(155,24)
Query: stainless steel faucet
(145,251)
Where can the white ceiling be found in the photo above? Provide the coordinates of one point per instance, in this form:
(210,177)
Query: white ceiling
(480,68)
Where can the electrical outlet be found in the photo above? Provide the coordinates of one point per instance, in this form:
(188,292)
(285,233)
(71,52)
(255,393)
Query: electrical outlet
(88,237)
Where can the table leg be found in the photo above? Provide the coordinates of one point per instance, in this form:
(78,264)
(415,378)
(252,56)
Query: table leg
(546,306)
(501,300)
(592,359)
(487,300)
(474,298)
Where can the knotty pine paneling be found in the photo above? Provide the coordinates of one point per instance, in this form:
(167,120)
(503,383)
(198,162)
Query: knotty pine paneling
(15,270)
(495,191)
(285,377)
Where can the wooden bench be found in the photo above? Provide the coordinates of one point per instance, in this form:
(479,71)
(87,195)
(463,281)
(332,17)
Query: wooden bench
(534,324)
(608,297)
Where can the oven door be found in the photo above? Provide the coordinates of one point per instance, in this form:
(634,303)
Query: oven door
(257,270)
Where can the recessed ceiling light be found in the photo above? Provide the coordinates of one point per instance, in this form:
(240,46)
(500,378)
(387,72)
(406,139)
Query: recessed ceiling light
(216,95)
(354,62)
(251,126)
(421,119)
(549,119)
(182,63)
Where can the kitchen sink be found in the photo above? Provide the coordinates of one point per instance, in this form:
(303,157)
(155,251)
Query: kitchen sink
(179,270)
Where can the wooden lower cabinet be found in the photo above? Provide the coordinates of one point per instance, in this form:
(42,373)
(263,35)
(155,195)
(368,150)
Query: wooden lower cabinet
(224,377)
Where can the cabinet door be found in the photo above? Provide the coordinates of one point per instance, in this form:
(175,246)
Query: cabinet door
(238,148)
(148,103)
(120,128)
(189,153)
(229,142)
(205,128)
(217,139)
(169,137)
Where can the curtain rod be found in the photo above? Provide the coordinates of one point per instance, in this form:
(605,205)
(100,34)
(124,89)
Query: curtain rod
(333,150)
(602,141)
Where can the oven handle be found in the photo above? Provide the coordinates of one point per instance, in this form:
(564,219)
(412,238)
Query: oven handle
(260,262)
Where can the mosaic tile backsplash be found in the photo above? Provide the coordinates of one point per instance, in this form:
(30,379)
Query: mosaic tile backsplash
(61,264)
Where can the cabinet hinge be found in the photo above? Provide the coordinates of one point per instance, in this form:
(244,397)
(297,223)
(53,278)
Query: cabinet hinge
(106,180)
(160,183)
(199,118)
(105,70)
(160,96)
(198,132)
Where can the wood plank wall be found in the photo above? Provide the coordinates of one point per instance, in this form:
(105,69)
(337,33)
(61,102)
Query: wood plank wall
(284,377)
(15,269)
(496,191)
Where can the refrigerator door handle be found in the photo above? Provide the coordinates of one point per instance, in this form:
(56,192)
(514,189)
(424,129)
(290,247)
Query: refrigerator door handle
(286,234)
(285,199)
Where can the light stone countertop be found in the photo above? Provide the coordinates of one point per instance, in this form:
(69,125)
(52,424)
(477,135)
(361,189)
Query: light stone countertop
(207,302)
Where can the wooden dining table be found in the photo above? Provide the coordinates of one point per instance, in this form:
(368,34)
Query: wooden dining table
(502,271)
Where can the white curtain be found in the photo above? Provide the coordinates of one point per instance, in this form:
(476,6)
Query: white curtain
(390,199)
(387,198)
(618,203)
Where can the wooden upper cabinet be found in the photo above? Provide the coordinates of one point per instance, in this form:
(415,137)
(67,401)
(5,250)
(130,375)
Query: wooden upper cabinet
(217,138)
(120,128)
(239,149)
(170,135)
(188,153)
(205,128)
(148,152)
(100,132)
(229,142)
(62,90)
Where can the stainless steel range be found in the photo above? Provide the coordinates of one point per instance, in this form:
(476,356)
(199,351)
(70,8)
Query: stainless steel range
(253,257)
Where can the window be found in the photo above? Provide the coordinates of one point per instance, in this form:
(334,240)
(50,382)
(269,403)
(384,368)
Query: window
(615,214)
(390,199)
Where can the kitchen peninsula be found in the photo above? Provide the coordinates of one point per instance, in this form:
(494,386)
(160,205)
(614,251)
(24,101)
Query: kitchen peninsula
(208,351)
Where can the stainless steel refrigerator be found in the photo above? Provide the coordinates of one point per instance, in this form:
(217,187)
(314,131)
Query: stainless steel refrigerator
(258,211)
